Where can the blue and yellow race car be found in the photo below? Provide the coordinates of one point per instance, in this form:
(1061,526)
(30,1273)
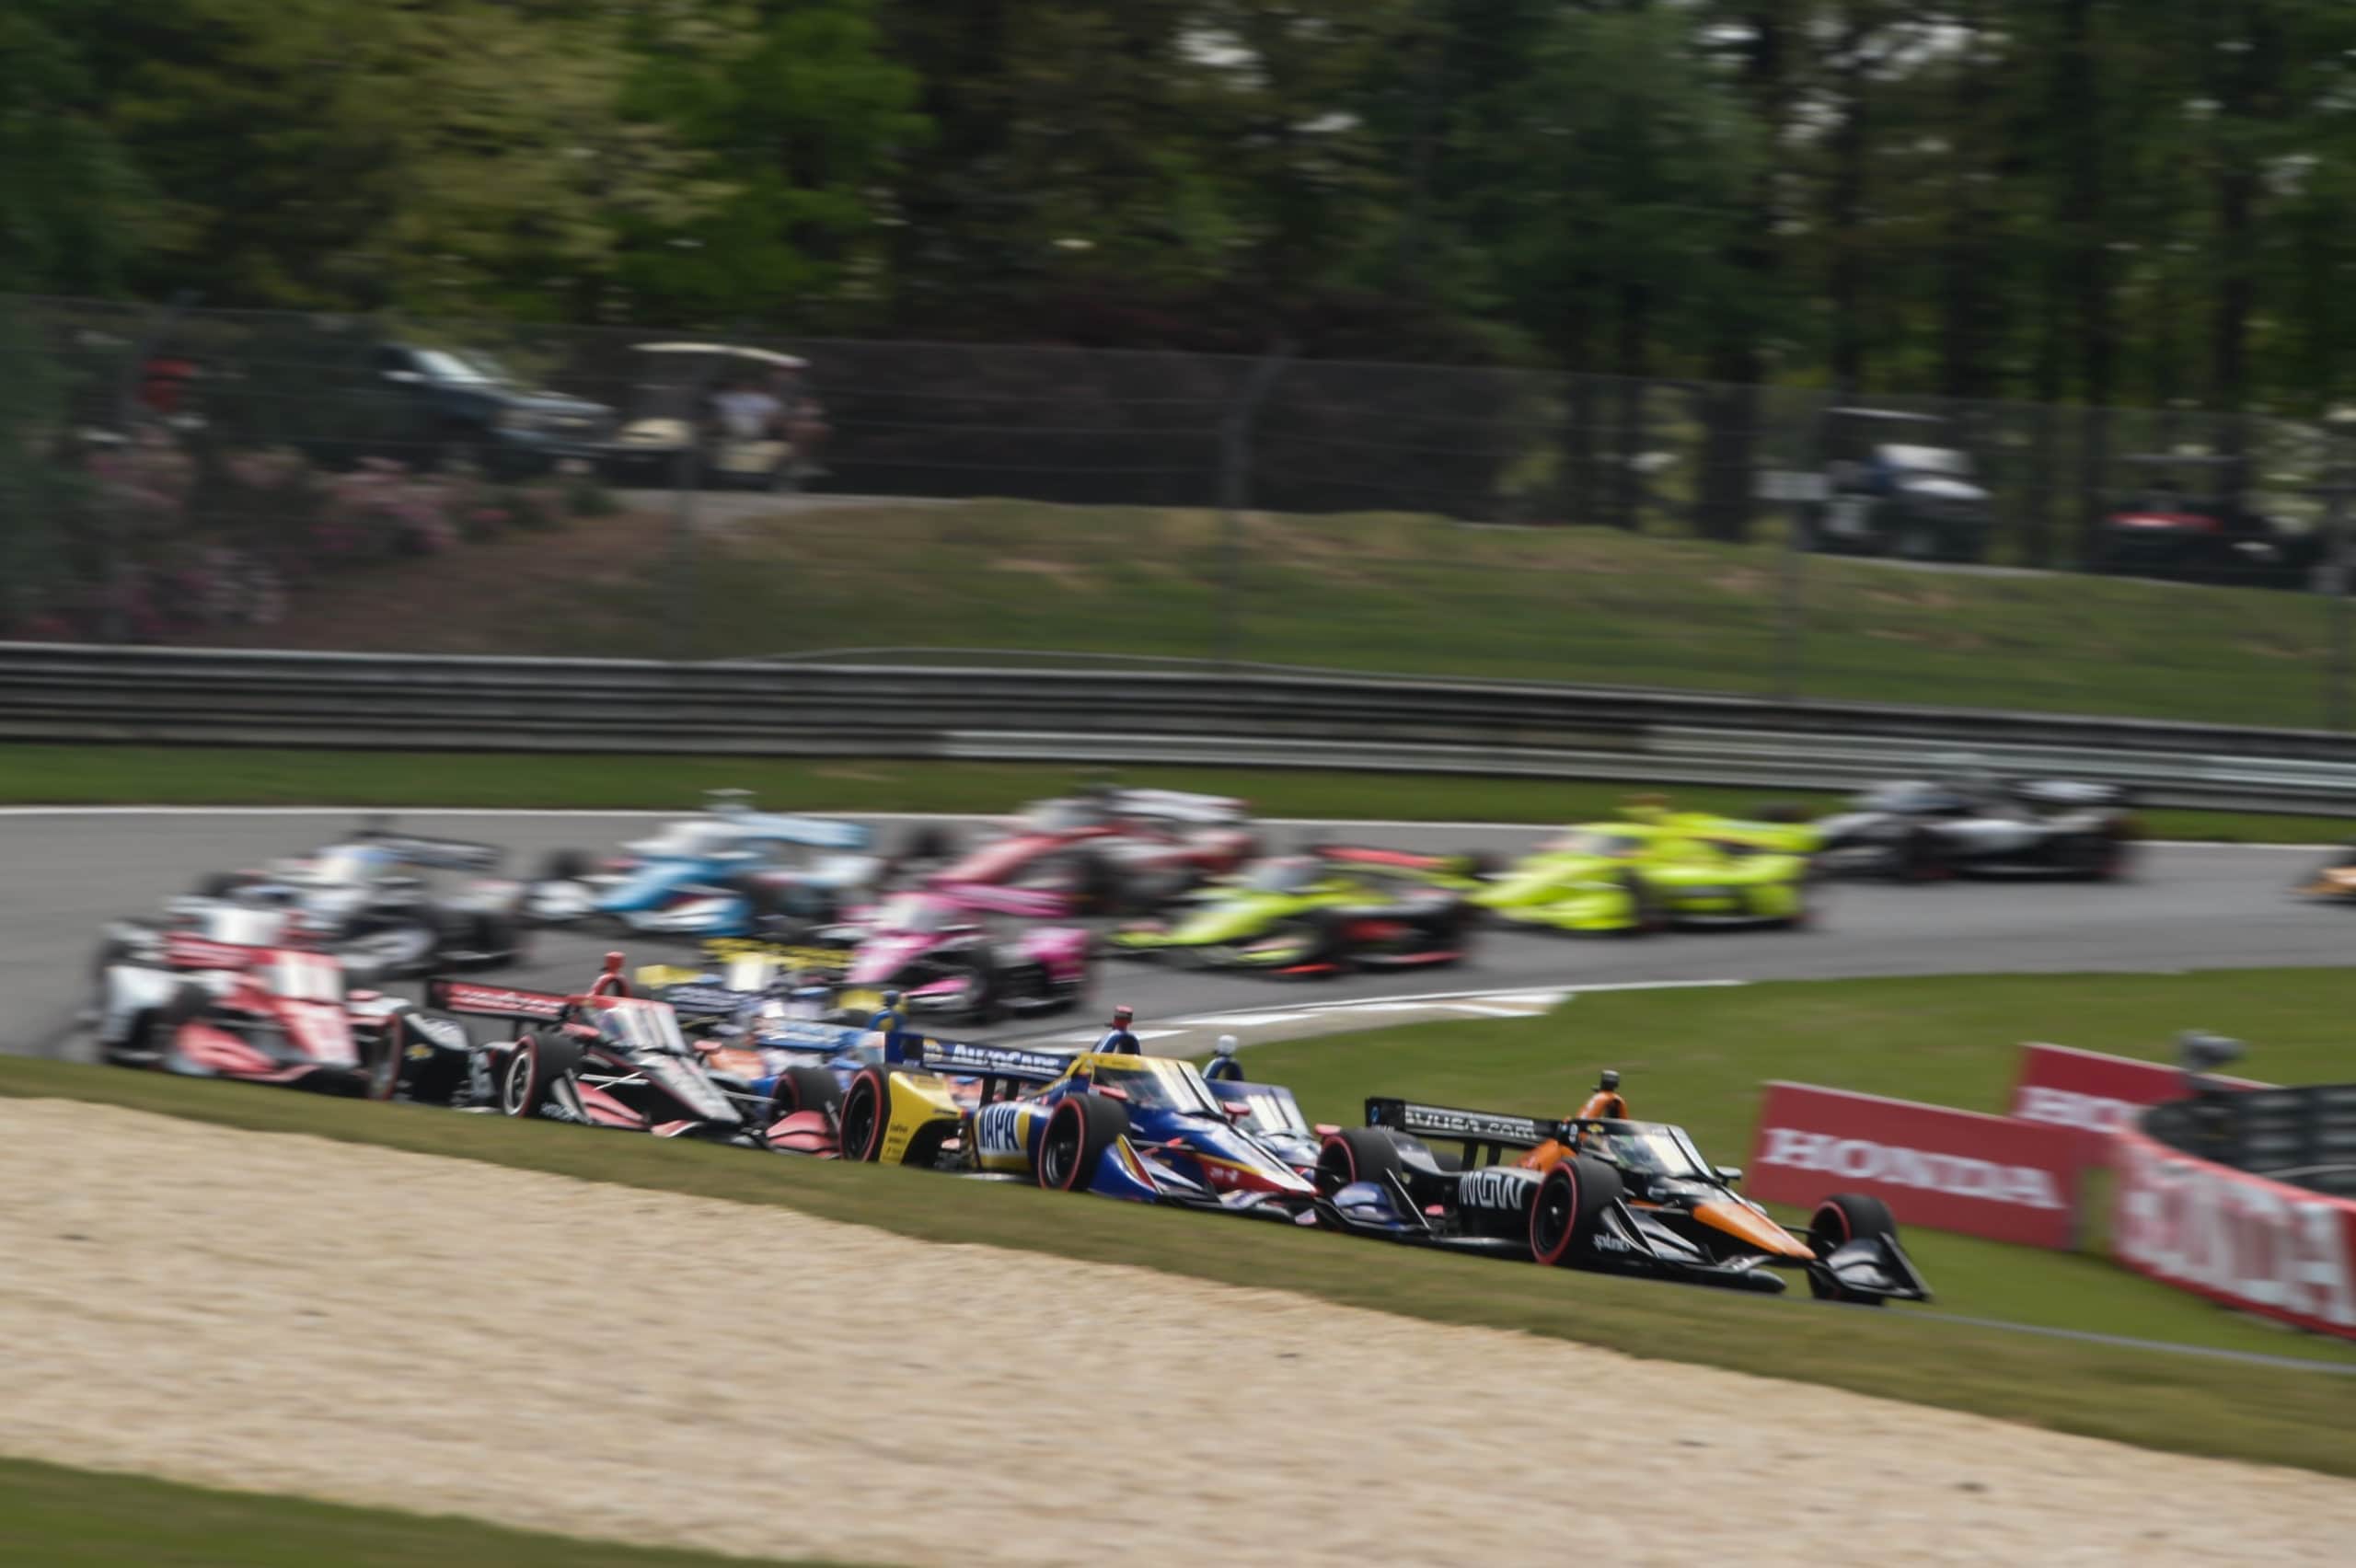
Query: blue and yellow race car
(1145,1128)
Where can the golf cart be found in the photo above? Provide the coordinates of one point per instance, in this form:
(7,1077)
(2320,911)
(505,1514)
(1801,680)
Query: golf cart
(744,411)
(2186,521)
(1914,499)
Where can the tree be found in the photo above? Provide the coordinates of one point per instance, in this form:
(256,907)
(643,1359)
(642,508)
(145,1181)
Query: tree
(793,108)
(70,203)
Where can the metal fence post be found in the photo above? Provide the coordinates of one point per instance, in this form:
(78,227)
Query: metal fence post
(2337,484)
(125,413)
(1235,492)
(687,476)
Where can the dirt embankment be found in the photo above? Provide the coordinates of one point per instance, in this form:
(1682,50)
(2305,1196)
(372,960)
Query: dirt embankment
(293,1315)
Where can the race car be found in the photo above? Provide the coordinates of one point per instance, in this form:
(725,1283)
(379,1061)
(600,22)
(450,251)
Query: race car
(1599,1191)
(1110,850)
(604,1057)
(733,872)
(374,899)
(2334,882)
(1267,1110)
(934,948)
(1975,825)
(1331,908)
(1144,1128)
(237,991)
(1639,877)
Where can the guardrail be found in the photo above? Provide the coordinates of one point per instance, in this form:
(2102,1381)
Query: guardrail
(1185,714)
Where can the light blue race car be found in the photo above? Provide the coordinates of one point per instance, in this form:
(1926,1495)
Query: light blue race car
(729,872)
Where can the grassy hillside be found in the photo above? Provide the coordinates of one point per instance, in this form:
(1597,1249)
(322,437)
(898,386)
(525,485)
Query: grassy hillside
(1375,591)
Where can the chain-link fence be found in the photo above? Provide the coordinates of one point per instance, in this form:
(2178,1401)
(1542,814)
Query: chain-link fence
(277,480)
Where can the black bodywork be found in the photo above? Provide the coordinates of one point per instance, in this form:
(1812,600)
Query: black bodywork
(1925,830)
(1595,1208)
(2188,521)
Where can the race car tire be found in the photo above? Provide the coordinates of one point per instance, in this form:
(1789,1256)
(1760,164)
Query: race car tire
(864,1114)
(2097,856)
(1648,915)
(929,843)
(1846,1217)
(565,865)
(805,1089)
(1080,1129)
(1355,1154)
(385,1072)
(1100,885)
(499,934)
(221,885)
(1921,858)
(1569,1202)
(988,995)
(1839,1221)
(536,1065)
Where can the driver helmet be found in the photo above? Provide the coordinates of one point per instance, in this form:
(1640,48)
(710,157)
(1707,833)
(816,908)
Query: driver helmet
(1121,1017)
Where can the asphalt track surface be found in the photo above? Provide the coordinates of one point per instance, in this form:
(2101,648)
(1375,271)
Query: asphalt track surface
(64,873)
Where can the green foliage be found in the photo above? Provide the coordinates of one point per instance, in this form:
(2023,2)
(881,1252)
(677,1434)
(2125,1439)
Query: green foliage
(2120,201)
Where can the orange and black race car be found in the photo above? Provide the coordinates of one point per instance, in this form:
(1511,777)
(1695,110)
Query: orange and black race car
(2334,882)
(1595,1191)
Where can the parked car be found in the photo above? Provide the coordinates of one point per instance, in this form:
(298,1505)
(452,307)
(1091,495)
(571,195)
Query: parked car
(1918,499)
(437,404)
(747,414)
(2188,520)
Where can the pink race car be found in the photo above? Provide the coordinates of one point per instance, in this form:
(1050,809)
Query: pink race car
(935,950)
(1110,850)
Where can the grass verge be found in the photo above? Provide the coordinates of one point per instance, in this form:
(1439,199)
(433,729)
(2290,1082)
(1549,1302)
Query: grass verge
(1697,1058)
(2199,1405)
(202,775)
(50,1514)
(1372,590)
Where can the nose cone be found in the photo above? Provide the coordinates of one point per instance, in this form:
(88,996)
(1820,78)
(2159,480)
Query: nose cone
(1752,1229)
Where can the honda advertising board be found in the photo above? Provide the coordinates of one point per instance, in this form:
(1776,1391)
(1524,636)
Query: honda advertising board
(1991,1176)
(2242,1239)
(2094,1094)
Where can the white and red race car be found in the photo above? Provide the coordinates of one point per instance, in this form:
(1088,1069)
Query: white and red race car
(227,989)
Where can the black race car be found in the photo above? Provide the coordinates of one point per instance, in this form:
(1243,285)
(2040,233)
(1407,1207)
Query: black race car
(1596,1192)
(601,1058)
(394,903)
(1928,830)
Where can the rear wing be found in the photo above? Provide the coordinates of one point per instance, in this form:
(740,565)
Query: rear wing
(182,949)
(1485,1135)
(435,854)
(702,1000)
(814,833)
(722,948)
(999,1066)
(1177,805)
(1034,903)
(1397,862)
(492,1001)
